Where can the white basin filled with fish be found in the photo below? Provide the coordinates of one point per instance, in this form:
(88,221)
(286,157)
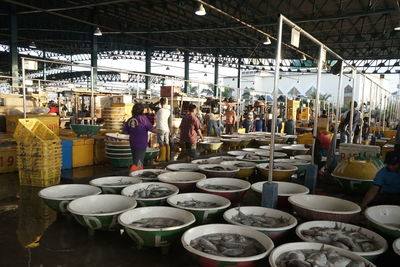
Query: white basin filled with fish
(285,190)
(272,222)
(222,158)
(156,226)
(185,181)
(206,208)
(218,170)
(207,161)
(252,157)
(315,254)
(299,163)
(237,153)
(226,245)
(114,184)
(281,172)
(317,207)
(246,169)
(57,197)
(183,167)
(100,212)
(293,150)
(266,153)
(385,218)
(277,147)
(359,240)
(148,175)
(150,194)
(230,188)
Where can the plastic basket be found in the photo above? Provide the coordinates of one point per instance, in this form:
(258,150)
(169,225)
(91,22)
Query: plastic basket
(40,178)
(33,130)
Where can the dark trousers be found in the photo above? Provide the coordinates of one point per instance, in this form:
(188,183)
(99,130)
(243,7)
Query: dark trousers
(138,156)
(191,149)
(229,128)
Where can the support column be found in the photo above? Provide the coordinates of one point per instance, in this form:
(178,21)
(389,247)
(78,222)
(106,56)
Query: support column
(44,66)
(14,49)
(239,75)
(93,59)
(186,59)
(148,68)
(216,74)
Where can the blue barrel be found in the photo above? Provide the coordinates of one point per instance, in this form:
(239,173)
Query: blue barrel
(66,154)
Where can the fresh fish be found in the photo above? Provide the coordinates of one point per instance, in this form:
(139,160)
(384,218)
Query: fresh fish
(221,187)
(197,204)
(260,220)
(149,174)
(251,156)
(157,222)
(119,182)
(323,257)
(241,165)
(228,245)
(152,191)
(342,238)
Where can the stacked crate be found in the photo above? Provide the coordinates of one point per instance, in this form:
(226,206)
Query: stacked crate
(39,154)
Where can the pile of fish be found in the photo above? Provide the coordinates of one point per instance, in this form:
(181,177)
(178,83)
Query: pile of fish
(241,165)
(311,258)
(260,220)
(251,156)
(342,238)
(228,245)
(152,191)
(197,204)
(157,222)
(221,187)
(149,174)
(120,182)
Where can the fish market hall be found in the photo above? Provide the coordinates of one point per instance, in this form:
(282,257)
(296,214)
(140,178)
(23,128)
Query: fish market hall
(199,133)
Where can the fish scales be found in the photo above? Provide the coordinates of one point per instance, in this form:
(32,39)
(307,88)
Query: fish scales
(260,220)
(228,245)
(342,238)
(157,222)
(197,204)
(310,258)
(152,191)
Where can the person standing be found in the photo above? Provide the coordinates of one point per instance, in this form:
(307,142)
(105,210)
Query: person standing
(190,129)
(289,126)
(229,120)
(212,123)
(162,116)
(138,127)
(356,123)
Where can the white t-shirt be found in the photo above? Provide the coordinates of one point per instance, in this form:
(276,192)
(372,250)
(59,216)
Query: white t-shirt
(162,119)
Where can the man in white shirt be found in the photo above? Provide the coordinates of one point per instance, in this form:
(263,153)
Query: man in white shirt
(162,124)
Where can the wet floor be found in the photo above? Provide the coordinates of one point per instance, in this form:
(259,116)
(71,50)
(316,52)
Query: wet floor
(33,235)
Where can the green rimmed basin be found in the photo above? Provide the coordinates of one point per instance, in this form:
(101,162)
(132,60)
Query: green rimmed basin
(82,129)
(155,237)
(58,197)
(100,212)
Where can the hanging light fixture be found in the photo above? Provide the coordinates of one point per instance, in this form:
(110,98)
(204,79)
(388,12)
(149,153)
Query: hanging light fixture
(205,74)
(267,41)
(97,32)
(32,45)
(167,68)
(200,11)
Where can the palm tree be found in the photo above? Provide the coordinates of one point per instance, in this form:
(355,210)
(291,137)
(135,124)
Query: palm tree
(322,97)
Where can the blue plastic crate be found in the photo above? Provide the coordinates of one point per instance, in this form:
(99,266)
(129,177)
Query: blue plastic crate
(66,154)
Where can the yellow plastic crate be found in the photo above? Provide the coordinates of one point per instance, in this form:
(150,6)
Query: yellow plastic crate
(52,122)
(32,130)
(42,178)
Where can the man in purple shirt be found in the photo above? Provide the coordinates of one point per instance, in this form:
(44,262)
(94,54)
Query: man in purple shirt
(138,127)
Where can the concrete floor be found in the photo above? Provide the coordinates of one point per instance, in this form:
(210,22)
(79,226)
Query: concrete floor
(33,235)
